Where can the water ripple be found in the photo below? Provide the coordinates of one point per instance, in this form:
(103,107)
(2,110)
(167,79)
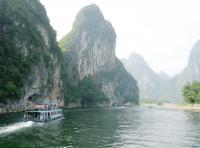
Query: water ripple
(138,127)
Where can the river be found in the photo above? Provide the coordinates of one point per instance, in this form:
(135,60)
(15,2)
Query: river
(132,127)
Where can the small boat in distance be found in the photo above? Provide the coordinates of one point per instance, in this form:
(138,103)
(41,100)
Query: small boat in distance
(43,113)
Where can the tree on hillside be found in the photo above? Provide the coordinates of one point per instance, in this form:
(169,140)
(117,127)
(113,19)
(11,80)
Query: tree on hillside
(191,92)
(90,92)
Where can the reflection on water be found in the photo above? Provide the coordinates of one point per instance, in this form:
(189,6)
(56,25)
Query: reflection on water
(111,127)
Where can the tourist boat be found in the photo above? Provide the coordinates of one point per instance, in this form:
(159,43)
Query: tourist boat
(43,113)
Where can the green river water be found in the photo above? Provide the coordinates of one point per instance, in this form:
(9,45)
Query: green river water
(132,127)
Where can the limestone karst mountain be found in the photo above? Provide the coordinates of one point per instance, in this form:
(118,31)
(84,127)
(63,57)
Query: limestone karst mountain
(33,68)
(29,56)
(89,52)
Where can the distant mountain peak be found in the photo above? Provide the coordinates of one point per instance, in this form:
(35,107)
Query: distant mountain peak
(137,61)
(89,15)
(195,54)
(163,74)
(160,85)
(148,80)
(92,6)
(136,55)
(90,10)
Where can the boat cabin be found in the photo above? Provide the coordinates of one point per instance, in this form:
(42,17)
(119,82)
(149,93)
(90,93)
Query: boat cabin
(43,114)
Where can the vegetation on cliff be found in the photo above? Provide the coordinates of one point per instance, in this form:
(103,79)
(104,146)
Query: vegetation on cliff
(90,92)
(22,45)
(86,91)
(191,92)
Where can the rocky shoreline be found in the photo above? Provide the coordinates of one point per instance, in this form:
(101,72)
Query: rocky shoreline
(14,108)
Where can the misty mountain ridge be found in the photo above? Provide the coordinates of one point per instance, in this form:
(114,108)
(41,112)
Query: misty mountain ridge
(160,86)
(148,80)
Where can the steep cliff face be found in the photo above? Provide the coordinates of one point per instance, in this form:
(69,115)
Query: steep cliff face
(91,45)
(119,85)
(29,56)
(94,42)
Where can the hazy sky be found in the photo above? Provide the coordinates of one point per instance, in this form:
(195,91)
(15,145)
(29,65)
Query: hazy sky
(162,31)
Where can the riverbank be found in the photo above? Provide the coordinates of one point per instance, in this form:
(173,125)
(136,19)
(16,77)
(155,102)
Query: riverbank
(180,106)
(15,108)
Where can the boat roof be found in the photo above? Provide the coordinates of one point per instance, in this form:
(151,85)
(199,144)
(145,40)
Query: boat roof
(43,111)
